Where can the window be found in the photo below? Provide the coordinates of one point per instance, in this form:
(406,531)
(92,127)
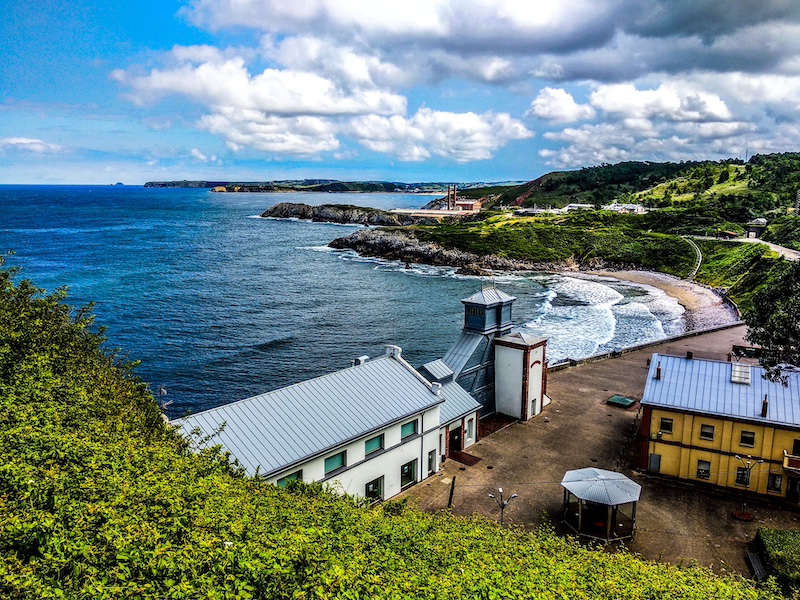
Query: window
(284,481)
(374,489)
(665,426)
(408,473)
(706,432)
(373,444)
(703,469)
(742,476)
(774,483)
(747,438)
(431,462)
(408,429)
(335,462)
(796,448)
(470,429)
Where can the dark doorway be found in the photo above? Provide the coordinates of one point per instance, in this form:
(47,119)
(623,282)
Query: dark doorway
(793,490)
(455,440)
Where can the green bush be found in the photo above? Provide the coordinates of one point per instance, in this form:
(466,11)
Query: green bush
(99,498)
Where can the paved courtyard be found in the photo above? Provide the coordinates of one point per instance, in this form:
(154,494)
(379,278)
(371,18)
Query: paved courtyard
(675,522)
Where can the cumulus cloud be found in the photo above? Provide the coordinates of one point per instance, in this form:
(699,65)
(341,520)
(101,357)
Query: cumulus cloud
(462,137)
(23,144)
(298,136)
(558,106)
(660,77)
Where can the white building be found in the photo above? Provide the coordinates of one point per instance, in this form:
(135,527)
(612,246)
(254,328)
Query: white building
(369,430)
(381,425)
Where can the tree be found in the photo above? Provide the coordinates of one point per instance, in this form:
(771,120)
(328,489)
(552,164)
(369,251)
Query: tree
(773,322)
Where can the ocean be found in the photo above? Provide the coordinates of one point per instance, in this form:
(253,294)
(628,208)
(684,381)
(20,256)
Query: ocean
(218,304)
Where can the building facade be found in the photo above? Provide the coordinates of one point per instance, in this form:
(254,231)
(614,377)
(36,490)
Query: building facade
(370,430)
(723,424)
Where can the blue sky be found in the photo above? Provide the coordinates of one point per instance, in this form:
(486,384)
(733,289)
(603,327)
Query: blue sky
(421,90)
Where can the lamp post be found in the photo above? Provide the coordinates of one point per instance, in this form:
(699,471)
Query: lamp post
(502,503)
(748,466)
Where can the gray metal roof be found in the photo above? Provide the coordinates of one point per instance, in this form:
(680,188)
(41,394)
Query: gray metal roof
(438,369)
(461,351)
(489,296)
(601,486)
(458,403)
(521,336)
(281,428)
(705,386)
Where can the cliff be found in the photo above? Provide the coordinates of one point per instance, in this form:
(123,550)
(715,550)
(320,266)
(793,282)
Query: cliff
(341,213)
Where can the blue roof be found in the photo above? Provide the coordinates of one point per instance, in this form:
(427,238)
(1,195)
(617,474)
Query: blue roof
(489,297)
(706,387)
(279,429)
(461,351)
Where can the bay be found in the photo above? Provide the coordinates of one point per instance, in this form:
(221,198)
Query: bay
(219,304)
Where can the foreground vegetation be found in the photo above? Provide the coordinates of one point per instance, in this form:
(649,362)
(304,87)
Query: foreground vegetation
(100,499)
(781,548)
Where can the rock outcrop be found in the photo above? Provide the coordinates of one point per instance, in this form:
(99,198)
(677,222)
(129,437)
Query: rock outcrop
(399,245)
(341,213)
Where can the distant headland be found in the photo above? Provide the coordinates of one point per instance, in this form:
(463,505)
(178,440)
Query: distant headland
(319,185)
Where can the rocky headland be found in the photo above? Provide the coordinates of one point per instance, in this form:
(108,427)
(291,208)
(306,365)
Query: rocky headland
(399,245)
(342,213)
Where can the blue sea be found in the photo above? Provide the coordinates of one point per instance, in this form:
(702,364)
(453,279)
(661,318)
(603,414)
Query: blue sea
(219,304)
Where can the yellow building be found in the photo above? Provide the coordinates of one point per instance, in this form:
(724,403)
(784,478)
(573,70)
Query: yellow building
(723,424)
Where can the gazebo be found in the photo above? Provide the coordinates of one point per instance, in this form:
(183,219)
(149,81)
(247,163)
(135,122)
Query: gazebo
(600,504)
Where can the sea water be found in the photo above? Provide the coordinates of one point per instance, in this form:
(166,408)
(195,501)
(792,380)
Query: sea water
(218,304)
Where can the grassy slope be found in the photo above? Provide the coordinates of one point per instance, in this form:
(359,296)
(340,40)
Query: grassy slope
(98,499)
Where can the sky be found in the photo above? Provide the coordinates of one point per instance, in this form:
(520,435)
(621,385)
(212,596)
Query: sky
(95,91)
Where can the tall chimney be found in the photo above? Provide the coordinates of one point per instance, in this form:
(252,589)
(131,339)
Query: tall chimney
(764,406)
(658,371)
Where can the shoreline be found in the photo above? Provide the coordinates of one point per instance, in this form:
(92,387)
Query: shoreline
(704,307)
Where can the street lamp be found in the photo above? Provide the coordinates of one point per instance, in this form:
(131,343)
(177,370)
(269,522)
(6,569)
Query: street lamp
(748,466)
(502,503)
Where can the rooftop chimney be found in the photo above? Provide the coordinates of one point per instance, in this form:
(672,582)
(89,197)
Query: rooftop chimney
(689,355)
(658,371)
(764,406)
(436,388)
(395,351)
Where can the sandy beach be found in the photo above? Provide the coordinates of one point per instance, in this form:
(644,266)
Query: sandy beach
(704,308)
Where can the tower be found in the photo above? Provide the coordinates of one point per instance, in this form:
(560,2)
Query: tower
(487,315)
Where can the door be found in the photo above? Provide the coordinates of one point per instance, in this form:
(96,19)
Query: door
(793,490)
(455,440)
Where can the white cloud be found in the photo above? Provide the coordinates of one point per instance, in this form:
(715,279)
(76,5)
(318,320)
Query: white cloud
(665,102)
(462,137)
(28,145)
(229,84)
(200,157)
(558,106)
(298,136)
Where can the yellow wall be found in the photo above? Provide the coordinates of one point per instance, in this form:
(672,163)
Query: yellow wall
(681,449)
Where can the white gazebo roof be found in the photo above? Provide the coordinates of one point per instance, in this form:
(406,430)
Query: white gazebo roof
(601,486)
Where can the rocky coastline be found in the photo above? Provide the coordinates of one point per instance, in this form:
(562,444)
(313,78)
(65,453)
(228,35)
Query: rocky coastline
(342,213)
(704,307)
(399,245)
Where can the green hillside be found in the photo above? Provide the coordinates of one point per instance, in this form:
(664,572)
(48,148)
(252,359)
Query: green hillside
(764,183)
(99,499)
